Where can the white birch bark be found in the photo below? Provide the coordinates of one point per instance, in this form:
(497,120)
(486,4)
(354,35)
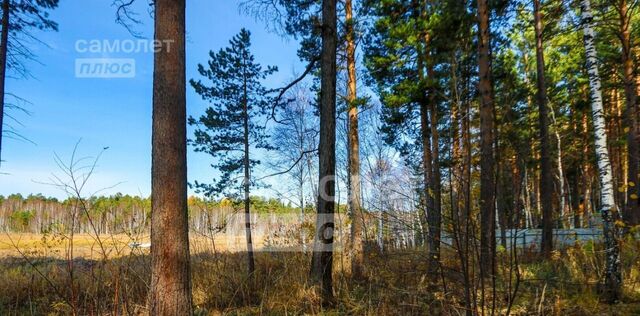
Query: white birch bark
(612,278)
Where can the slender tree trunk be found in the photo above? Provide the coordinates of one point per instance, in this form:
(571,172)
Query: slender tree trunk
(170,292)
(434,214)
(632,211)
(612,274)
(357,220)
(573,178)
(455,181)
(247,181)
(426,200)
(617,157)
(562,192)
(487,159)
(528,221)
(322,261)
(4,43)
(301,169)
(587,178)
(546,178)
(466,191)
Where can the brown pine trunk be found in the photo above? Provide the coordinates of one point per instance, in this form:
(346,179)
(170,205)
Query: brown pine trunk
(632,211)
(426,120)
(434,214)
(357,238)
(4,43)
(322,260)
(487,160)
(247,181)
(170,292)
(546,178)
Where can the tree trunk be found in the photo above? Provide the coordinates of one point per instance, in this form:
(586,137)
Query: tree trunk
(170,292)
(4,43)
(612,274)
(322,261)
(247,181)
(487,160)
(632,211)
(546,179)
(434,214)
(357,238)
(562,192)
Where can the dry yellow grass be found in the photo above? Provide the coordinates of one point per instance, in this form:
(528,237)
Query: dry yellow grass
(396,283)
(88,246)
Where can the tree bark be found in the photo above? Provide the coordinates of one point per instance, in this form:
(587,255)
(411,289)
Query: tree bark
(4,43)
(487,159)
(322,260)
(632,210)
(546,177)
(247,180)
(434,213)
(611,288)
(170,292)
(357,220)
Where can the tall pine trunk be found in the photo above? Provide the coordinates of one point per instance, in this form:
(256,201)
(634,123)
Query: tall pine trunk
(611,288)
(434,214)
(247,181)
(322,260)
(425,135)
(170,292)
(487,159)
(546,178)
(357,238)
(4,44)
(632,211)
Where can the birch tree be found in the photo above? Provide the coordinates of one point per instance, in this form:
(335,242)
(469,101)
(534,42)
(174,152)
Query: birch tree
(611,287)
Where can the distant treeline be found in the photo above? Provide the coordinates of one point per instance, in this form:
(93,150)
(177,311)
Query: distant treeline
(113,214)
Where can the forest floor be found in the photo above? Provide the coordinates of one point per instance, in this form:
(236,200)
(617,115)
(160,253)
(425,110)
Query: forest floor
(37,282)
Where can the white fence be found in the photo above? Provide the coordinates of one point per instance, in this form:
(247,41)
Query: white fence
(531,238)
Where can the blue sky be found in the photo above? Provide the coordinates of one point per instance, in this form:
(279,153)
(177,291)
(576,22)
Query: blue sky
(115,113)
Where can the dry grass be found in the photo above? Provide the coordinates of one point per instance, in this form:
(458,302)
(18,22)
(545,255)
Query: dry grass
(87,246)
(396,284)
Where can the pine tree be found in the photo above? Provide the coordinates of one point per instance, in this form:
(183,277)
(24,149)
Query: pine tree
(487,160)
(546,186)
(394,57)
(632,211)
(322,261)
(229,129)
(355,200)
(170,288)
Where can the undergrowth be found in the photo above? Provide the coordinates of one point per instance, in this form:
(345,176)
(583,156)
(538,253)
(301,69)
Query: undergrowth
(396,284)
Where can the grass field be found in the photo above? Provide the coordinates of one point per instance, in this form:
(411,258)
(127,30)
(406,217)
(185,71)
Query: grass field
(88,246)
(37,278)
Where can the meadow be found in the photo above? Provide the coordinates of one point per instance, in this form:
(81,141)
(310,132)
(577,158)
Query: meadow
(40,277)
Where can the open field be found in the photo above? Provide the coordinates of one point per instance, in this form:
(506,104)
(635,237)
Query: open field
(39,279)
(87,246)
